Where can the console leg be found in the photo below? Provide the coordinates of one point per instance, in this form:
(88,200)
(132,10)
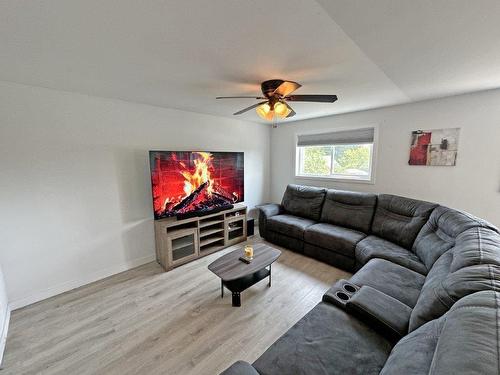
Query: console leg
(236,299)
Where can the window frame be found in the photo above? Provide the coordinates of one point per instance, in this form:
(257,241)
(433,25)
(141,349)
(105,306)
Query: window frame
(339,177)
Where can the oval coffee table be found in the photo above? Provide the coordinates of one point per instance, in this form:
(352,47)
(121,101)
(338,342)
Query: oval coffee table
(237,276)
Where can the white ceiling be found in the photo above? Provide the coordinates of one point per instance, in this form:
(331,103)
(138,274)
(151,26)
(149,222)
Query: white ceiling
(183,53)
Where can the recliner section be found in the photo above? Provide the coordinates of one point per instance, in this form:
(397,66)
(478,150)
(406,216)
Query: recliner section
(392,279)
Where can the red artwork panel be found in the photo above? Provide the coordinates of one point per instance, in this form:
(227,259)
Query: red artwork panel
(420,144)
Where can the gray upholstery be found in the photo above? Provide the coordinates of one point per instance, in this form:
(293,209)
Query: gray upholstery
(333,237)
(292,226)
(375,247)
(398,219)
(290,243)
(476,246)
(424,269)
(472,265)
(463,341)
(387,314)
(265,212)
(304,201)
(327,340)
(240,368)
(328,256)
(440,232)
(392,279)
(349,209)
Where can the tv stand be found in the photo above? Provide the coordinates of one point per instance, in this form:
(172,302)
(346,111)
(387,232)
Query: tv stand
(203,213)
(180,241)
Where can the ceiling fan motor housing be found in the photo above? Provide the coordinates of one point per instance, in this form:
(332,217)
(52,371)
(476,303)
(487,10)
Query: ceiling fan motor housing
(268,87)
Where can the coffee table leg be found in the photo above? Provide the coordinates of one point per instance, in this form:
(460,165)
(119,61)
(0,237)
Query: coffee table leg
(221,289)
(269,276)
(236,299)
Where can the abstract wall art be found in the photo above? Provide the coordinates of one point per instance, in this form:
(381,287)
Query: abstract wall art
(435,147)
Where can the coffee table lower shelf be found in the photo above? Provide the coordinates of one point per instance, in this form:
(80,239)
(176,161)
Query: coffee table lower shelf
(239,285)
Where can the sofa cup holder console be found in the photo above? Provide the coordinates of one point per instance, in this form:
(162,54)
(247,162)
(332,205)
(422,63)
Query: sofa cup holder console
(343,296)
(342,292)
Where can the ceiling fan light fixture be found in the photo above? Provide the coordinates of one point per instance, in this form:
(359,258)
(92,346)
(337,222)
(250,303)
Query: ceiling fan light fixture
(281,110)
(265,112)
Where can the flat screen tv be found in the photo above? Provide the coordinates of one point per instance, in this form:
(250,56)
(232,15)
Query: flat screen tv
(195,183)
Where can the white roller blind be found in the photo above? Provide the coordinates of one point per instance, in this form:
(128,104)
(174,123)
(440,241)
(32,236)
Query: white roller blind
(342,137)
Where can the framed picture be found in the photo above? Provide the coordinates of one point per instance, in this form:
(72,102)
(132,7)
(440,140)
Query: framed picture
(434,147)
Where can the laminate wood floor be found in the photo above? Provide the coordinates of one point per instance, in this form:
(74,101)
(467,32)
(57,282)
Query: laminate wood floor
(145,321)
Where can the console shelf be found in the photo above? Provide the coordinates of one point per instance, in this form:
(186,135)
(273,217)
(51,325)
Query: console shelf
(209,223)
(181,241)
(210,240)
(209,232)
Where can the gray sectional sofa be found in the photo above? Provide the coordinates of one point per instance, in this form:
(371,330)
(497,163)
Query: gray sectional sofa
(424,298)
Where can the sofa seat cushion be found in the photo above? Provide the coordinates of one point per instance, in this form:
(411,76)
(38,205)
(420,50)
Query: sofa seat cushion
(399,219)
(376,247)
(392,279)
(292,226)
(335,238)
(326,341)
(304,201)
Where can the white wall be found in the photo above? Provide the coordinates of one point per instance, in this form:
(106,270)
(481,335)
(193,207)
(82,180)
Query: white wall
(4,315)
(75,188)
(473,185)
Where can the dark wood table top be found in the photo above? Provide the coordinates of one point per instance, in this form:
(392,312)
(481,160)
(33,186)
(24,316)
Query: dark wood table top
(229,267)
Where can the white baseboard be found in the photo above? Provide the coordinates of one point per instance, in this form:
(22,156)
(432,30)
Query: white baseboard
(72,284)
(3,335)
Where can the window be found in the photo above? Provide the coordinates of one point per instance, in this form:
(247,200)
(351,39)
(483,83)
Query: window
(338,155)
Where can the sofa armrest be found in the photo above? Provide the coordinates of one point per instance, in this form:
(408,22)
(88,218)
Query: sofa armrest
(271,209)
(380,310)
(240,368)
(266,211)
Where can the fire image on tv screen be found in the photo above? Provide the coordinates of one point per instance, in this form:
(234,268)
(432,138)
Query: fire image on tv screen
(187,183)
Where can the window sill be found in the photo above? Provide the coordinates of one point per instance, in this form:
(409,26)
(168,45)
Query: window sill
(336,179)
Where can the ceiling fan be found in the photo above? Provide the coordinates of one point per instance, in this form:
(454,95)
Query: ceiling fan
(276,94)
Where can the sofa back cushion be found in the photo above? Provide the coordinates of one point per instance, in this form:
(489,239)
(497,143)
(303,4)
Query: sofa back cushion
(463,341)
(476,246)
(440,232)
(471,266)
(304,201)
(399,219)
(349,209)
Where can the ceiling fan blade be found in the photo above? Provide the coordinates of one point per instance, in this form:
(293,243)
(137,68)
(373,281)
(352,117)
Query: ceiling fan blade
(240,97)
(249,108)
(292,112)
(286,88)
(312,98)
